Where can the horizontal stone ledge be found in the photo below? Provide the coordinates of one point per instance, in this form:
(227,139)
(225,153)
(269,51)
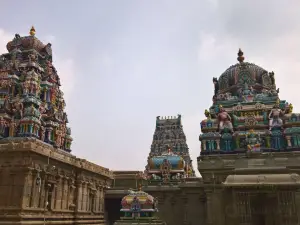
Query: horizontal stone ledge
(60,222)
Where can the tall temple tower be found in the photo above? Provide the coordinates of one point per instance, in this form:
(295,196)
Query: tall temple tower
(169,149)
(32,104)
(40,181)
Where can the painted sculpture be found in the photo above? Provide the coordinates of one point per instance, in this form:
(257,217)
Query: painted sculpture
(31,102)
(224,120)
(247,114)
(167,167)
(275,116)
(138,207)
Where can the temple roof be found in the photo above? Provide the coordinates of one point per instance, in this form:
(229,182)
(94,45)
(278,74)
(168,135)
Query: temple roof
(28,43)
(176,161)
(233,76)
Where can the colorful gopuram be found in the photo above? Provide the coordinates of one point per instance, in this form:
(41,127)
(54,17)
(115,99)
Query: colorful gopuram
(31,102)
(169,159)
(41,182)
(247,114)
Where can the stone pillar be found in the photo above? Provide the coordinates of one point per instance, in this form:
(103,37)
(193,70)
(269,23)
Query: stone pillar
(101,203)
(58,197)
(218,144)
(185,209)
(63,193)
(34,189)
(54,194)
(79,195)
(209,208)
(288,139)
(204,145)
(27,194)
(218,207)
(42,192)
(297,200)
(84,197)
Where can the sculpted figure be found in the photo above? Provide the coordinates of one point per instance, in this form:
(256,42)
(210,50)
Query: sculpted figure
(58,140)
(26,86)
(18,107)
(32,57)
(42,133)
(12,128)
(291,108)
(274,116)
(224,120)
(207,114)
(216,83)
(253,141)
(42,109)
(3,125)
(271,75)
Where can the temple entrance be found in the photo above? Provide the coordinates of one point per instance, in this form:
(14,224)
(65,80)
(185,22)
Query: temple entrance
(112,208)
(265,207)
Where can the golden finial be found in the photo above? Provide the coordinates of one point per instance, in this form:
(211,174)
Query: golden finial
(240,57)
(291,108)
(32,31)
(140,187)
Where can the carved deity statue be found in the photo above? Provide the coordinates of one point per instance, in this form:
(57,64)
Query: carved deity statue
(42,133)
(253,141)
(26,86)
(18,107)
(271,75)
(291,108)
(207,114)
(224,120)
(3,125)
(42,109)
(12,128)
(274,116)
(58,140)
(216,83)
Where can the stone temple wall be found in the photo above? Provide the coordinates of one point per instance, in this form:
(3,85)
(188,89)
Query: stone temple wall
(40,184)
(178,204)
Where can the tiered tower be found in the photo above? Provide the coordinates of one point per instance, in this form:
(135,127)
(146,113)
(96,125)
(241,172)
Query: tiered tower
(32,104)
(169,153)
(249,158)
(40,181)
(247,114)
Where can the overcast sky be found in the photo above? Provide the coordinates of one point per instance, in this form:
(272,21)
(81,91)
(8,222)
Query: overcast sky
(122,63)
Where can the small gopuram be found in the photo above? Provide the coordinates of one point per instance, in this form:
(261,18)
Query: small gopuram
(40,181)
(250,150)
(169,160)
(138,207)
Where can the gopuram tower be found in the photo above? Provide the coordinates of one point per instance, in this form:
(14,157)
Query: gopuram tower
(40,181)
(169,159)
(250,158)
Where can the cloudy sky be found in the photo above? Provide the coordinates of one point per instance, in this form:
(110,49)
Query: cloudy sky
(122,63)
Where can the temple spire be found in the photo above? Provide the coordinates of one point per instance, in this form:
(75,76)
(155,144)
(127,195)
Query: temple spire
(240,57)
(32,31)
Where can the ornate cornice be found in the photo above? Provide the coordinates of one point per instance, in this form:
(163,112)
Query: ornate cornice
(33,145)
